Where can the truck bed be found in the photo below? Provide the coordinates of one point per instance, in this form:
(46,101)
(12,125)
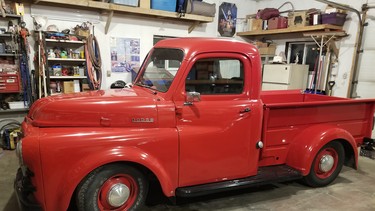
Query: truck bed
(288,113)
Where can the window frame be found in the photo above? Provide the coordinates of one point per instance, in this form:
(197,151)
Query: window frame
(217,59)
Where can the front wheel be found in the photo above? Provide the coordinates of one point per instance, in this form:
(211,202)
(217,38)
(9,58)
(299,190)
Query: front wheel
(327,165)
(112,187)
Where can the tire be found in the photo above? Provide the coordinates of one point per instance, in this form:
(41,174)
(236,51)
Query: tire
(93,191)
(320,174)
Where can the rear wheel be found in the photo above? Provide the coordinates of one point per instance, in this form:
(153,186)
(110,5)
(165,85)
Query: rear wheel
(112,187)
(327,165)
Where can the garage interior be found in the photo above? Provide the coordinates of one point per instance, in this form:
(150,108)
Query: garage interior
(52,48)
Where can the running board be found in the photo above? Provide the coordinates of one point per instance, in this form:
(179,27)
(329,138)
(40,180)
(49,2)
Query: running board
(266,175)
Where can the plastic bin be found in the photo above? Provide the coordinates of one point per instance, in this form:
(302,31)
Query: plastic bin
(17,105)
(334,18)
(166,5)
(126,2)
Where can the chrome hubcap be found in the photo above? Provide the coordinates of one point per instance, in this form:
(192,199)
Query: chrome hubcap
(118,195)
(326,163)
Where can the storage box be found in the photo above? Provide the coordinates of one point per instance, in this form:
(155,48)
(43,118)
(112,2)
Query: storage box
(335,18)
(145,4)
(270,50)
(17,105)
(19,9)
(68,87)
(126,2)
(298,19)
(254,24)
(260,44)
(83,33)
(278,23)
(56,69)
(166,5)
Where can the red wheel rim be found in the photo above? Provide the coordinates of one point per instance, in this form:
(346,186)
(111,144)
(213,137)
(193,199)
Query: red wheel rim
(104,191)
(327,153)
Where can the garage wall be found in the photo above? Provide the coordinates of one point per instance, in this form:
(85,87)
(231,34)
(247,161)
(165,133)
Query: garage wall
(144,28)
(129,26)
(366,79)
(346,45)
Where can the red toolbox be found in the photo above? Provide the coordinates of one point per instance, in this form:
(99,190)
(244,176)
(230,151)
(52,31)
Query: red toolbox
(9,83)
(278,23)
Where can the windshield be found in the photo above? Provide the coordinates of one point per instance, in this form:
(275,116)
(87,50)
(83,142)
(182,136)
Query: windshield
(160,69)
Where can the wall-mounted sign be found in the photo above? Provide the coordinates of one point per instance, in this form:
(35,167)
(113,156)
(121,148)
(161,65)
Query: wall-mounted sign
(227,19)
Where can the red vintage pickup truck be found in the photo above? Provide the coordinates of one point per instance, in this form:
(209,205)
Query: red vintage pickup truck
(195,120)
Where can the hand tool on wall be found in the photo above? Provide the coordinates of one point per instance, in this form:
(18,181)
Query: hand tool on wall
(330,86)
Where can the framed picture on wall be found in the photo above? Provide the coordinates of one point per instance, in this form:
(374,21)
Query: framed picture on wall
(227,19)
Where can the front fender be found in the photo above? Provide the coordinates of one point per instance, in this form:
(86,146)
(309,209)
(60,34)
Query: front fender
(74,158)
(307,144)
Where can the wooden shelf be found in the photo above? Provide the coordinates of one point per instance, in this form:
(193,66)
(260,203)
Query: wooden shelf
(68,77)
(66,59)
(19,110)
(8,54)
(292,32)
(6,35)
(97,5)
(65,41)
(12,16)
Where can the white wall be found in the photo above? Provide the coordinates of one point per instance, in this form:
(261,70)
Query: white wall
(144,28)
(346,45)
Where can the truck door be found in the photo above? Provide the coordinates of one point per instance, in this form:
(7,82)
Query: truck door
(218,133)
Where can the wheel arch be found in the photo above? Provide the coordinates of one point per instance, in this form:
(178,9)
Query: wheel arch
(150,167)
(303,150)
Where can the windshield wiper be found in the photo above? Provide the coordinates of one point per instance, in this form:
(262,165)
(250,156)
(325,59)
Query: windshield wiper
(146,86)
(142,85)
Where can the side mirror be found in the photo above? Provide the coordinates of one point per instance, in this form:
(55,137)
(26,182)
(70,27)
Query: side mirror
(192,97)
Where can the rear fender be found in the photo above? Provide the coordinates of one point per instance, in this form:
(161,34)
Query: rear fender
(308,143)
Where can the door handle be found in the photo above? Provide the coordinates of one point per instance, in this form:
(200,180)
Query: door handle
(245,110)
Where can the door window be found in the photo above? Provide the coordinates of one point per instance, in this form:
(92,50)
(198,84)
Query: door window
(216,76)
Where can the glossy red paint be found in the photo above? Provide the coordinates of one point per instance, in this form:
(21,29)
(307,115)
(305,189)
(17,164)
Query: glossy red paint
(106,188)
(68,136)
(326,152)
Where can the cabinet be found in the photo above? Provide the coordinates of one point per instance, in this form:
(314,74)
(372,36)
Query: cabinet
(9,54)
(64,67)
(284,76)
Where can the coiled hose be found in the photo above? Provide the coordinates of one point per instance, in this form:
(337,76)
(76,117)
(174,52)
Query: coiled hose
(94,62)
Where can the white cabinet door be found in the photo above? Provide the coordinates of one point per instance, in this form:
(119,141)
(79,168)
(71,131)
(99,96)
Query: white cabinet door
(294,76)
(276,73)
(272,86)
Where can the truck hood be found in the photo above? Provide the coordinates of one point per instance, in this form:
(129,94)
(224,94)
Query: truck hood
(111,108)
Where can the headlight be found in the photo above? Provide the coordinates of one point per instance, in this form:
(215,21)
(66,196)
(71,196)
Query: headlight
(19,152)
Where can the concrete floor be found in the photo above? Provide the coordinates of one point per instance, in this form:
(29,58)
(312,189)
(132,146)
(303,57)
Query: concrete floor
(352,190)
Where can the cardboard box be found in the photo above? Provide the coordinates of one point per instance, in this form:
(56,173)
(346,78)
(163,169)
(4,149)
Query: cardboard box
(260,44)
(270,50)
(133,3)
(254,24)
(19,9)
(145,4)
(68,87)
(298,19)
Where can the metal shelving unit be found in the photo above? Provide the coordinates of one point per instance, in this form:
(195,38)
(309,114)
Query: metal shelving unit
(52,78)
